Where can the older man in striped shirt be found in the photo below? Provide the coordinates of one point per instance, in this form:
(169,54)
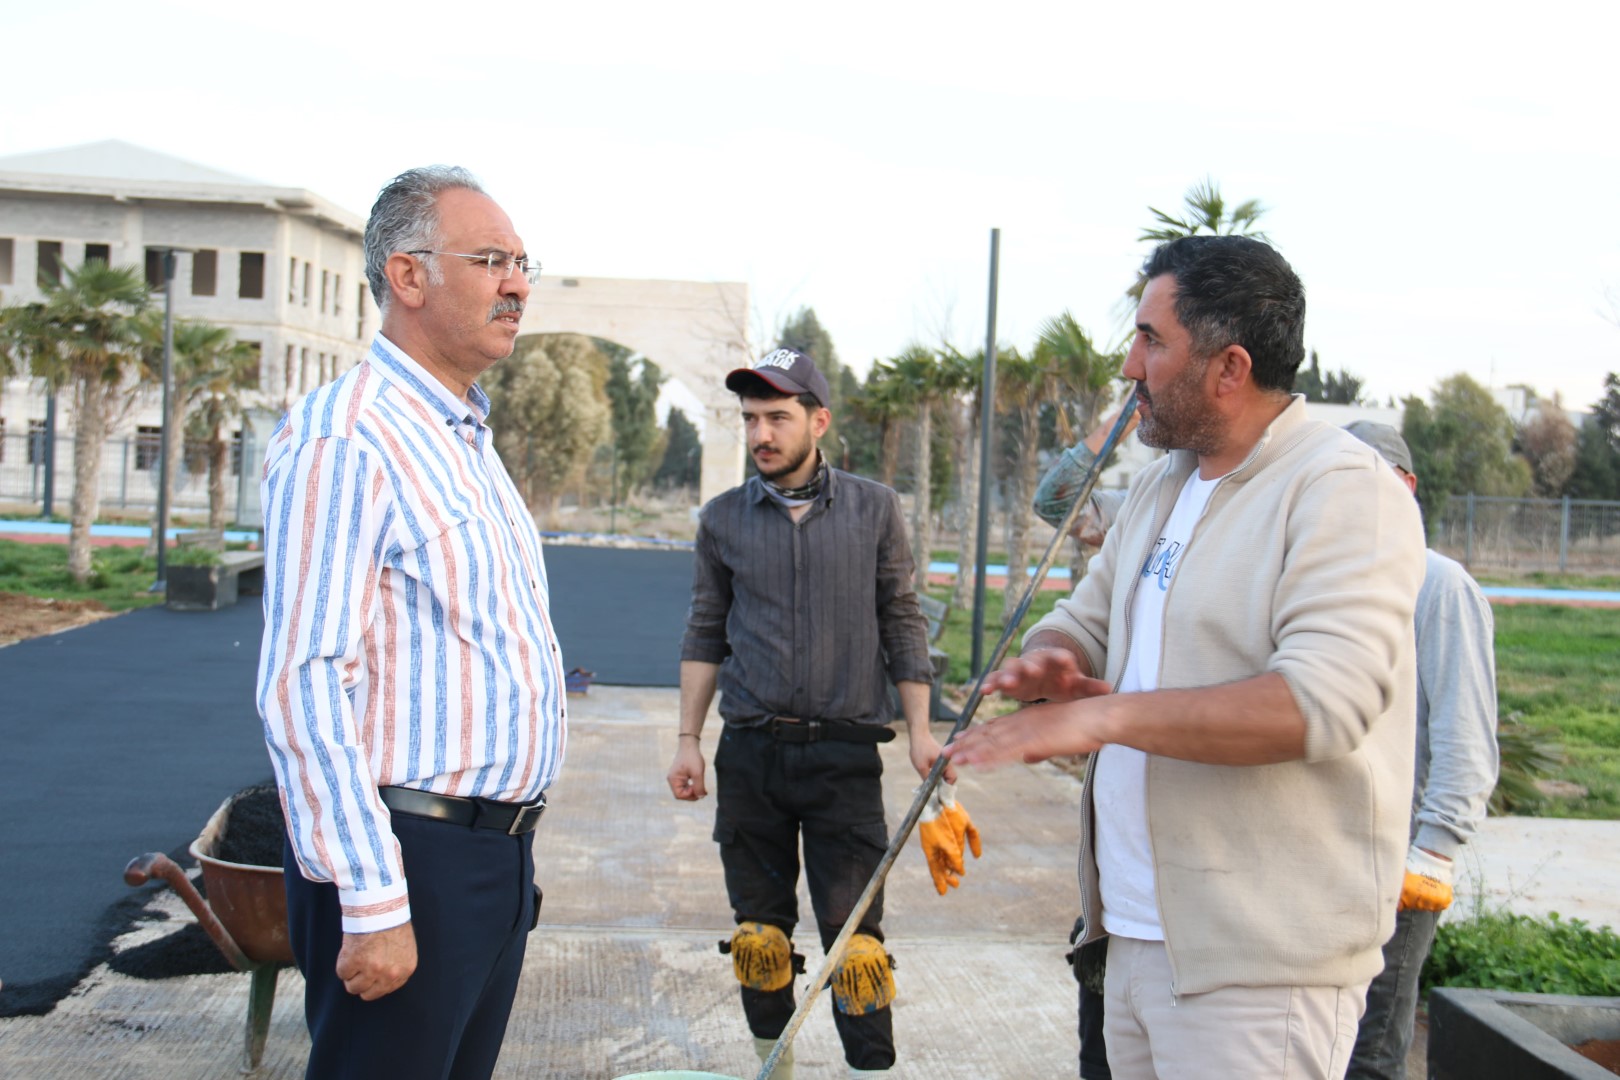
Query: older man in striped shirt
(410,680)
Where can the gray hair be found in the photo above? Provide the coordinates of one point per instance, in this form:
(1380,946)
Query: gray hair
(405,217)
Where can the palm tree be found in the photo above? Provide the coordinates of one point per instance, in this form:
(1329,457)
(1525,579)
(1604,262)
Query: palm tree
(214,386)
(24,334)
(882,402)
(1023,386)
(921,383)
(961,377)
(207,364)
(1204,212)
(86,342)
(1087,375)
(1086,379)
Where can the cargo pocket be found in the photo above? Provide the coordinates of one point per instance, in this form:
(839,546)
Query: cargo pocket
(534,920)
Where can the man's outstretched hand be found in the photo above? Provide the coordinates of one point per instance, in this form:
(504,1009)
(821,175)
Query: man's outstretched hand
(1033,733)
(1044,674)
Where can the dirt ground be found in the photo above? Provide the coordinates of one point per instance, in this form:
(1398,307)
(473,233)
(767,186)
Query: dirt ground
(23,617)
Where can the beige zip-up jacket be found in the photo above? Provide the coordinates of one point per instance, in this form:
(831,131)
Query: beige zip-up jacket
(1306,562)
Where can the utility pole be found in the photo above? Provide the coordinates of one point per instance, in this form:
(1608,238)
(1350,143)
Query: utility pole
(162,526)
(987,410)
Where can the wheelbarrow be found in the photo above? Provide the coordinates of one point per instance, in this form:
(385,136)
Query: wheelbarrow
(245,915)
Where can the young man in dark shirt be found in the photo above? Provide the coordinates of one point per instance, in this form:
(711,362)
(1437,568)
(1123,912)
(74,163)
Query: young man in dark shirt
(802,613)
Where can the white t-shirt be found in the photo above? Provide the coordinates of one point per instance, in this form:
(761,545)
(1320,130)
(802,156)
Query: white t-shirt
(1124,849)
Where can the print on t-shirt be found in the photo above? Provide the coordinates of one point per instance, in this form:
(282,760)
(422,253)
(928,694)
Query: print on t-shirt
(1161,561)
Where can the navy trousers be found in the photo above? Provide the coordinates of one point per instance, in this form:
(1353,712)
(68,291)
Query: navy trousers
(768,795)
(473,903)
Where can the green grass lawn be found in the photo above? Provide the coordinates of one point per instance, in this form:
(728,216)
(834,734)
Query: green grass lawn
(120,580)
(1557,672)
(1558,669)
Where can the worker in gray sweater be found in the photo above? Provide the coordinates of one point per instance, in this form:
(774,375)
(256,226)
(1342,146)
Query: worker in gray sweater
(1456,770)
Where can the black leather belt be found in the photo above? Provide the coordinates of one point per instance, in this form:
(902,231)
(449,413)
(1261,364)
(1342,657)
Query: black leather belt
(514,819)
(789,729)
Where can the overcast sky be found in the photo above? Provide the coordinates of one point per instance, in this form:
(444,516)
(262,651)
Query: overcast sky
(1443,176)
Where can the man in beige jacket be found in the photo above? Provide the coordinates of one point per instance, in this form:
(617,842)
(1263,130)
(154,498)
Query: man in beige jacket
(1239,664)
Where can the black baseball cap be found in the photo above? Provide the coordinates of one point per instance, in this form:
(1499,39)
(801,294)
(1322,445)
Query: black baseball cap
(787,371)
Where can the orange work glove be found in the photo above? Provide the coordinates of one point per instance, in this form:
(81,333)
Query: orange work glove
(1428,881)
(942,828)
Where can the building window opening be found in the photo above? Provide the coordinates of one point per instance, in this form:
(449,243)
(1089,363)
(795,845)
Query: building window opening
(154,269)
(255,365)
(98,253)
(36,442)
(250,284)
(204,272)
(148,447)
(49,274)
(8,255)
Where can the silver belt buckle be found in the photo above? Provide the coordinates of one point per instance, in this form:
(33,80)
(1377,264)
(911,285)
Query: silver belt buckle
(523,814)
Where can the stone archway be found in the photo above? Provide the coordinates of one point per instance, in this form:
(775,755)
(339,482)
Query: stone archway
(694,331)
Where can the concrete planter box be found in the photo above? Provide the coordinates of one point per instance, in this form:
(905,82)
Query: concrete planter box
(1496,1035)
(199,588)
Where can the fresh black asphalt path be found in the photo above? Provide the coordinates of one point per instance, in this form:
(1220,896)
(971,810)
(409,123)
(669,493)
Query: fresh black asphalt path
(123,736)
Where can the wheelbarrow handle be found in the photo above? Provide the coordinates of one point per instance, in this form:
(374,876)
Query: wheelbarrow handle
(155,864)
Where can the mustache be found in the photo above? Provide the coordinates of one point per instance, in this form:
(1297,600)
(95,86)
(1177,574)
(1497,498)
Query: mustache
(507,306)
(1142,393)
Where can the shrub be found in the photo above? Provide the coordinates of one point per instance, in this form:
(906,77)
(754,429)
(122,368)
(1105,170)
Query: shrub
(1525,753)
(1503,951)
(192,555)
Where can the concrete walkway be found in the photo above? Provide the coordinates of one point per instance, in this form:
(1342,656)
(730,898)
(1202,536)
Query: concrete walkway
(623,976)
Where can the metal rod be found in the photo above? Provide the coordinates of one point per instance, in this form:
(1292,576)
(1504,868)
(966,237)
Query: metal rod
(164,479)
(835,953)
(47,454)
(987,410)
(1563,538)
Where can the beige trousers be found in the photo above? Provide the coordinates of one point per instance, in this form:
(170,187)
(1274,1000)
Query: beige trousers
(1247,1032)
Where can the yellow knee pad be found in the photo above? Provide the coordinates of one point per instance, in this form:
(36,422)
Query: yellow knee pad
(761,956)
(864,982)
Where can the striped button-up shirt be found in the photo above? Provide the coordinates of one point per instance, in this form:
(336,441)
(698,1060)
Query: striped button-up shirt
(407,639)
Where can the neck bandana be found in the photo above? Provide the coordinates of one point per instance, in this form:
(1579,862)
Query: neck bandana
(809,491)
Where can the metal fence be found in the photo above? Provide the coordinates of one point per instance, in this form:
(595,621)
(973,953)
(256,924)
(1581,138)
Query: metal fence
(129,474)
(1568,536)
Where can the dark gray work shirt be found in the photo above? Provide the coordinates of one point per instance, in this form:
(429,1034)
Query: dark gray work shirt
(809,619)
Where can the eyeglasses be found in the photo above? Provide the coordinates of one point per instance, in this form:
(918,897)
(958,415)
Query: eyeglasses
(499,264)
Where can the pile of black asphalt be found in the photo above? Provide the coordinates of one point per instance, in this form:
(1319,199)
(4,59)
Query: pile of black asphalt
(124,736)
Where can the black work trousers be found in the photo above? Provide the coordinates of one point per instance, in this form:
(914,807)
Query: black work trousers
(473,903)
(769,794)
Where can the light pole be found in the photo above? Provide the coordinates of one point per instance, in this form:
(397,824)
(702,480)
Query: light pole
(987,410)
(162,526)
